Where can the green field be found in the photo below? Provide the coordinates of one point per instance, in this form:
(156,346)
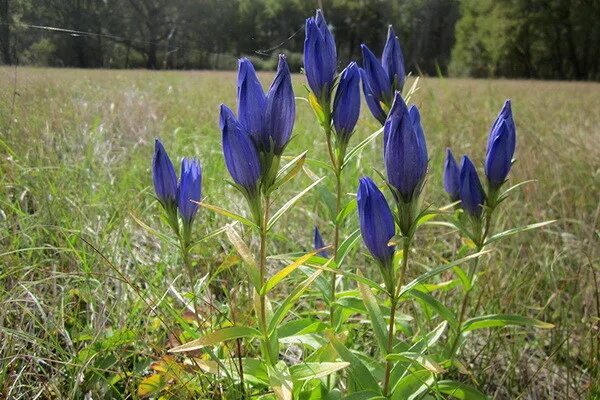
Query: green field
(89,297)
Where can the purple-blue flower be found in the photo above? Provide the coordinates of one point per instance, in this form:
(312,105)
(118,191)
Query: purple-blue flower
(505,115)
(405,150)
(269,118)
(393,60)
(163,176)
(451,176)
(372,102)
(472,195)
(376,221)
(241,156)
(501,147)
(346,104)
(320,56)
(319,244)
(189,191)
(377,78)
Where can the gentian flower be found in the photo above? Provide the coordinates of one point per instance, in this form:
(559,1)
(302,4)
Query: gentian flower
(241,156)
(319,244)
(451,176)
(472,195)
(269,118)
(163,176)
(189,191)
(501,147)
(405,151)
(376,221)
(320,56)
(382,78)
(346,104)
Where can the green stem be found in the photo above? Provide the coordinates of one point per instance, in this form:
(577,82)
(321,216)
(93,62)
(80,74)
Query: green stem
(262,268)
(336,239)
(394,299)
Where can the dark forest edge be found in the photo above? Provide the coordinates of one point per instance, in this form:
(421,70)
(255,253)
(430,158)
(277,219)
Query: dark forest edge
(541,39)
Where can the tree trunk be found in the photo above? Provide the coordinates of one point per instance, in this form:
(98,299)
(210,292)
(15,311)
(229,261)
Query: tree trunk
(5,32)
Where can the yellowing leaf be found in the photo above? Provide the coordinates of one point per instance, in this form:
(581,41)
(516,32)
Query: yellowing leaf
(151,385)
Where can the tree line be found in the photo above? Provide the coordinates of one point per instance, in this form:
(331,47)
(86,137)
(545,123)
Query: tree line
(549,39)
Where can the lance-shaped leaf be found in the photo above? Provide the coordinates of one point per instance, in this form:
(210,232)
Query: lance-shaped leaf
(278,214)
(377,320)
(247,257)
(314,370)
(359,147)
(459,390)
(418,359)
(284,272)
(229,214)
(519,229)
(500,320)
(216,337)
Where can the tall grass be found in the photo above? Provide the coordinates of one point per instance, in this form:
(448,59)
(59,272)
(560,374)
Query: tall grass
(89,298)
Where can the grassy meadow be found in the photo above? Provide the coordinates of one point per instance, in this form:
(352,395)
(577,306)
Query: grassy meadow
(89,298)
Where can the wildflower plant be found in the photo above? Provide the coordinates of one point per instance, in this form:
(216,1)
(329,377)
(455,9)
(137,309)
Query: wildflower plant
(412,358)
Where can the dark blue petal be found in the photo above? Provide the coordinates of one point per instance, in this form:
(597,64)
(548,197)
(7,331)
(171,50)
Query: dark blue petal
(319,56)
(393,60)
(505,115)
(376,76)
(346,104)
(251,99)
(415,117)
(376,220)
(319,244)
(163,175)
(499,156)
(451,176)
(241,156)
(405,153)
(471,192)
(330,57)
(372,101)
(280,109)
(189,192)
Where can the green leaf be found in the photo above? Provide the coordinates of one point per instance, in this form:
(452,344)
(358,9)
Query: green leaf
(512,188)
(288,171)
(284,272)
(436,271)
(345,247)
(279,213)
(513,231)
(436,306)
(377,320)
(459,390)
(413,385)
(280,379)
(229,214)
(216,337)
(365,395)
(358,372)
(500,320)
(430,339)
(300,327)
(349,208)
(311,370)
(288,303)
(418,359)
(208,236)
(244,252)
(354,151)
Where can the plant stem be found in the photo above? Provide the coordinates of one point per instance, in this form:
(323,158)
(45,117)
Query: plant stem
(336,239)
(262,267)
(394,298)
(185,252)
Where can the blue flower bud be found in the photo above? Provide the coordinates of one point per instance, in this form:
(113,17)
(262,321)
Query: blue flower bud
(499,156)
(405,151)
(319,244)
(163,176)
(346,104)
(451,176)
(393,60)
(504,115)
(241,156)
(378,79)
(190,189)
(372,102)
(280,110)
(472,195)
(251,99)
(320,56)
(376,221)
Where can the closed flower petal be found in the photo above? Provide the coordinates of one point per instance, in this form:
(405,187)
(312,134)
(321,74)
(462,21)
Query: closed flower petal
(451,176)
(190,189)
(241,156)
(376,221)
(372,102)
(346,104)
(320,58)
(405,152)
(251,99)
(506,116)
(393,60)
(499,156)
(280,109)
(378,79)
(472,195)
(163,175)
(319,244)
